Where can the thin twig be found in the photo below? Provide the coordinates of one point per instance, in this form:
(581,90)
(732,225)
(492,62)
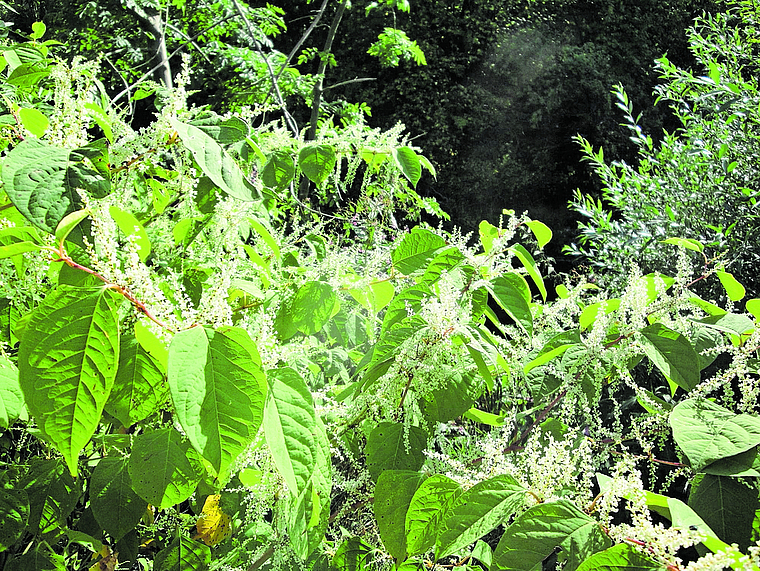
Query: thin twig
(191,41)
(349,81)
(303,38)
(175,52)
(126,85)
(276,86)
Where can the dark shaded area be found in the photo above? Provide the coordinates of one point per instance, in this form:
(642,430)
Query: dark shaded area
(506,88)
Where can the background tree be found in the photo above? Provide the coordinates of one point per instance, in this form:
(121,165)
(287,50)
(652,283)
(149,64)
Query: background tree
(700,181)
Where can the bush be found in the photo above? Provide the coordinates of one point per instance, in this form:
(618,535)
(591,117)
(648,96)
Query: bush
(701,181)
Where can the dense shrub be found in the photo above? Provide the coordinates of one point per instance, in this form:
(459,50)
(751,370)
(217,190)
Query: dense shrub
(700,181)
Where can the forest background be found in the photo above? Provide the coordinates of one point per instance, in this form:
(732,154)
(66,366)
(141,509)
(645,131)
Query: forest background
(268,298)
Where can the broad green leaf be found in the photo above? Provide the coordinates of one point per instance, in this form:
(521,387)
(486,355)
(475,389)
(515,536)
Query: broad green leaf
(512,294)
(33,121)
(354,554)
(14,513)
(555,347)
(310,309)
(40,558)
(164,469)
(226,132)
(218,388)
(415,250)
(704,340)
(130,226)
(727,505)
(52,494)
(317,162)
(672,354)
(409,163)
(38,30)
(102,119)
(753,307)
(428,165)
(84,539)
(385,350)
(215,162)
(258,153)
(408,300)
(732,323)
(707,432)
(541,231)
(374,297)
(374,158)
(743,464)
(484,417)
(531,267)
(67,225)
(706,306)
(428,507)
(537,533)
(687,243)
(183,554)
(393,493)
(311,515)
(28,74)
(16,241)
(266,236)
(392,446)
(451,399)
(477,511)
(289,426)
(488,233)
(589,313)
(140,387)
(483,553)
(278,171)
(734,289)
(478,355)
(115,505)
(317,244)
(620,557)
(11,397)
(67,364)
(152,344)
(19,240)
(444,260)
(42,182)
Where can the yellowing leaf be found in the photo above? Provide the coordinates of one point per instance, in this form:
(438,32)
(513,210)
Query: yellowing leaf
(213,526)
(108,562)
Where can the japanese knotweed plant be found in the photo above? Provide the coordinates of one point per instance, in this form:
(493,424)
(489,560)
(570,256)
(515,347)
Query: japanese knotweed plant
(192,379)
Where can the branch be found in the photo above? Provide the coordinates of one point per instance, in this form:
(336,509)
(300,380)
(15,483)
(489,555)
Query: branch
(128,89)
(191,41)
(303,38)
(276,86)
(153,24)
(126,85)
(319,86)
(263,559)
(311,134)
(349,81)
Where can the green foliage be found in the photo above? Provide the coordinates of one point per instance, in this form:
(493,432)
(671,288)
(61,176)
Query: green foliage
(697,183)
(197,371)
